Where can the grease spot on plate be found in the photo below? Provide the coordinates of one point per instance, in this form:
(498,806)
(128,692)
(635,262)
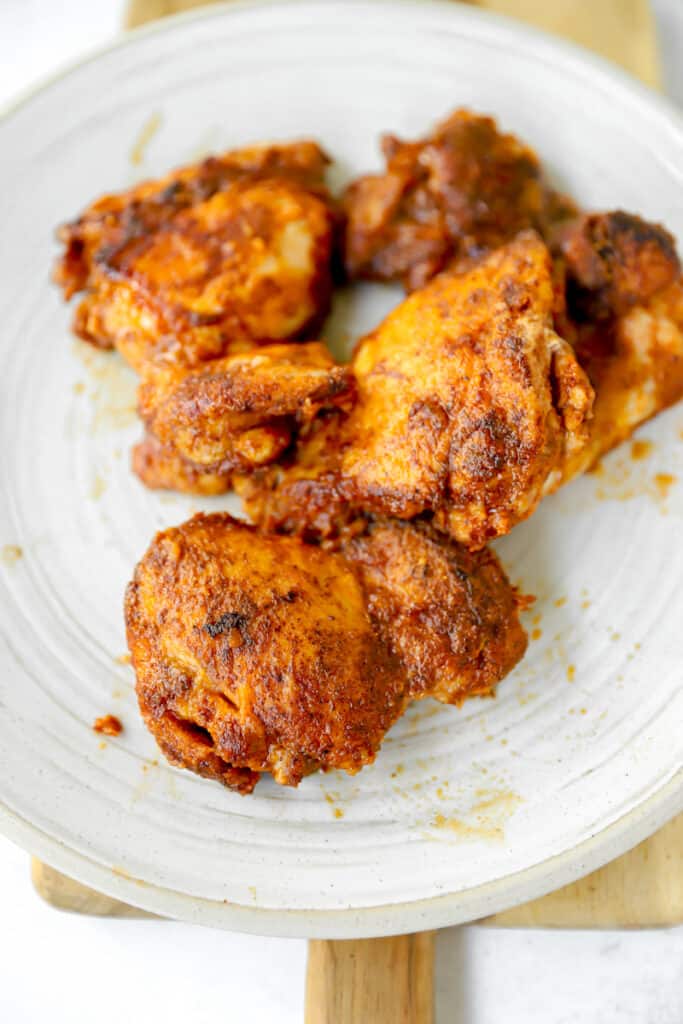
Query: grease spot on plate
(641,450)
(485,819)
(332,799)
(10,554)
(664,482)
(98,487)
(147,133)
(622,478)
(112,387)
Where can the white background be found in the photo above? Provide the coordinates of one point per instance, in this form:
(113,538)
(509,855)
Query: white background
(67,968)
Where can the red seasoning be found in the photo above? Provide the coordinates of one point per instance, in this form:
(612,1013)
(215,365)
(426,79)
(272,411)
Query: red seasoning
(108,724)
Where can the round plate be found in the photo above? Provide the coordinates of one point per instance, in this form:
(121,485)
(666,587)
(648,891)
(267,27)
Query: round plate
(465,811)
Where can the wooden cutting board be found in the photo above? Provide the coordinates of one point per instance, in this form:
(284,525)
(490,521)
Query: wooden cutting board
(390,981)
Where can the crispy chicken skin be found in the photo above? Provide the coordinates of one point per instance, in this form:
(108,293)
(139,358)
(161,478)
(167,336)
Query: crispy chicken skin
(625,297)
(241,411)
(303,492)
(624,315)
(449,615)
(162,467)
(469,402)
(464,189)
(469,406)
(206,262)
(257,654)
(614,261)
(260,653)
(635,363)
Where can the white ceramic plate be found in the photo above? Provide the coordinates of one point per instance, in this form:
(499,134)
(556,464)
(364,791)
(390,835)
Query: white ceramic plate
(465,812)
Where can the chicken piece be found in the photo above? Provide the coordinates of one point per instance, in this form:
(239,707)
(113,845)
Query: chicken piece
(635,363)
(614,261)
(469,402)
(469,405)
(162,467)
(625,298)
(449,615)
(256,654)
(148,206)
(303,492)
(464,189)
(241,411)
(208,261)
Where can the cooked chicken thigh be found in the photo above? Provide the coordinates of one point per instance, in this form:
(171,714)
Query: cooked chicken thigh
(206,262)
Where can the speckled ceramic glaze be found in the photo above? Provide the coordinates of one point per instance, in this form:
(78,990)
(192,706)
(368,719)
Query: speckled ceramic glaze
(466,811)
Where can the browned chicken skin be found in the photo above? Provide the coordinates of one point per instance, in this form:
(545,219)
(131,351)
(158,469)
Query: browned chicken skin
(238,412)
(162,468)
(635,363)
(614,261)
(464,189)
(622,272)
(257,653)
(625,295)
(207,261)
(468,406)
(449,615)
(303,492)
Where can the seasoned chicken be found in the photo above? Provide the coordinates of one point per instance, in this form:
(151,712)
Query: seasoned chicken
(625,294)
(206,262)
(469,406)
(614,261)
(625,317)
(464,189)
(162,467)
(238,412)
(635,363)
(257,654)
(303,493)
(260,653)
(469,402)
(449,615)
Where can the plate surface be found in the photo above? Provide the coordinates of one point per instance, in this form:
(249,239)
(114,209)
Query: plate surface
(466,811)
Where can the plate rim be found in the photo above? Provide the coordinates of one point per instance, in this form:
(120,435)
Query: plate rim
(364,922)
(412,915)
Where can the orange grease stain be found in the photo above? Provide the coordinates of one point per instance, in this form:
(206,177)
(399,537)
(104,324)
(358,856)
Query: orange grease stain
(641,450)
(664,482)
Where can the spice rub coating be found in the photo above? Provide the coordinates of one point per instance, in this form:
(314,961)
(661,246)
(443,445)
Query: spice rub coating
(257,654)
(449,614)
(235,413)
(207,261)
(464,189)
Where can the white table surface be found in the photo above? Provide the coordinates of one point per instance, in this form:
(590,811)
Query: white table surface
(68,969)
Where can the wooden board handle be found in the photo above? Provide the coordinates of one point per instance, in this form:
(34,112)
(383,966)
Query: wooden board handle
(371,981)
